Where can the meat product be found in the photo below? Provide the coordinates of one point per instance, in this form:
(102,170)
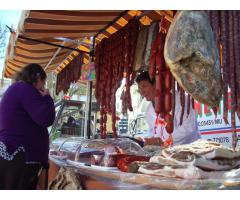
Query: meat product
(182,101)
(186,172)
(185,159)
(217,164)
(163,81)
(152,33)
(169,121)
(168,80)
(203,154)
(192,55)
(113,57)
(134,166)
(193,103)
(204,148)
(97,159)
(232,68)
(215,22)
(152,64)
(154,50)
(167,102)
(173,97)
(188,104)
(235,40)
(199,147)
(237,52)
(140,47)
(69,74)
(123,163)
(159,98)
(159,75)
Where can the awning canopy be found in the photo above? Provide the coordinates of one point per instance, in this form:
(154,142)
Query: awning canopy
(72,29)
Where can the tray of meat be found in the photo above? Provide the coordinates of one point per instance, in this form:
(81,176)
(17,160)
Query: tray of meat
(106,152)
(64,148)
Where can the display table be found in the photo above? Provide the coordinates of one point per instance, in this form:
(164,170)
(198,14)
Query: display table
(101,178)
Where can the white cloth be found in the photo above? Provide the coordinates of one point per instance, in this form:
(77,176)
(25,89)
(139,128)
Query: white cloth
(184,134)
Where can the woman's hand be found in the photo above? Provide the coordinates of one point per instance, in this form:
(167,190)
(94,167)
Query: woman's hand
(44,92)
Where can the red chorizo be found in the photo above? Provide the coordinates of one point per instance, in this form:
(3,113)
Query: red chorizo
(173,96)
(160,62)
(237,59)
(182,100)
(124,162)
(168,80)
(158,103)
(189,104)
(152,68)
(167,102)
(169,121)
(225,62)
(105,118)
(158,95)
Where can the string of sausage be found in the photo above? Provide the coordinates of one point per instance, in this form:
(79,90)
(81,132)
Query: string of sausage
(182,101)
(229,37)
(69,74)
(224,64)
(236,73)
(232,79)
(164,98)
(237,52)
(111,55)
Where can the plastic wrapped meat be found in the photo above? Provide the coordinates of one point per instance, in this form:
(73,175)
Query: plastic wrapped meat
(106,152)
(210,156)
(65,148)
(186,172)
(192,55)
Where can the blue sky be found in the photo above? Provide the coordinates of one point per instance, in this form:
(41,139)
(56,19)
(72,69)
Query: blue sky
(10,18)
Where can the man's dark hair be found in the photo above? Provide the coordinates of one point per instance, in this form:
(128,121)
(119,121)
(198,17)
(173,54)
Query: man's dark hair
(31,73)
(144,76)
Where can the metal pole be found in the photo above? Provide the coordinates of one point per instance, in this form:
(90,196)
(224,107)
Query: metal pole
(88,111)
(94,125)
(54,56)
(48,43)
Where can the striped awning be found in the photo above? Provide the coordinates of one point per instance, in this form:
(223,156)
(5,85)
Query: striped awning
(72,29)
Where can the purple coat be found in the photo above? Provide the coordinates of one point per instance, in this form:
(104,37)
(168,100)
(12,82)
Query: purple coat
(24,117)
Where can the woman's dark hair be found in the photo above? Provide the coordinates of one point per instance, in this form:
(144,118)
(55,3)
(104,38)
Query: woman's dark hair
(31,73)
(144,76)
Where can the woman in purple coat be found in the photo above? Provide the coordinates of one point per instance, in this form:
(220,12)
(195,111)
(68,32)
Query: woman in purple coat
(26,110)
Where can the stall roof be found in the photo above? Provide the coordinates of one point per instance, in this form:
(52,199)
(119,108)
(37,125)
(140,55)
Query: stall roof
(68,28)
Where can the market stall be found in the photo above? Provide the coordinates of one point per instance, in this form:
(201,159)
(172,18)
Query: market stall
(99,166)
(187,50)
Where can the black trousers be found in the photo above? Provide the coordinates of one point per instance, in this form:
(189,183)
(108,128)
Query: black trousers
(16,175)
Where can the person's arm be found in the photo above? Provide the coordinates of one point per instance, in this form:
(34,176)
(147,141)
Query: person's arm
(149,119)
(150,140)
(184,133)
(40,108)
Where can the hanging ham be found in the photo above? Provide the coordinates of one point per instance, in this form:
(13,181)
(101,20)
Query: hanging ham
(192,55)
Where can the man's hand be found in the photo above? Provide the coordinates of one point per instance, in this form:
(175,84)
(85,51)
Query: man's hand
(153,141)
(44,92)
(139,138)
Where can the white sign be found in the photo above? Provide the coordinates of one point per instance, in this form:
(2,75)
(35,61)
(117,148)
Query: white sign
(214,128)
